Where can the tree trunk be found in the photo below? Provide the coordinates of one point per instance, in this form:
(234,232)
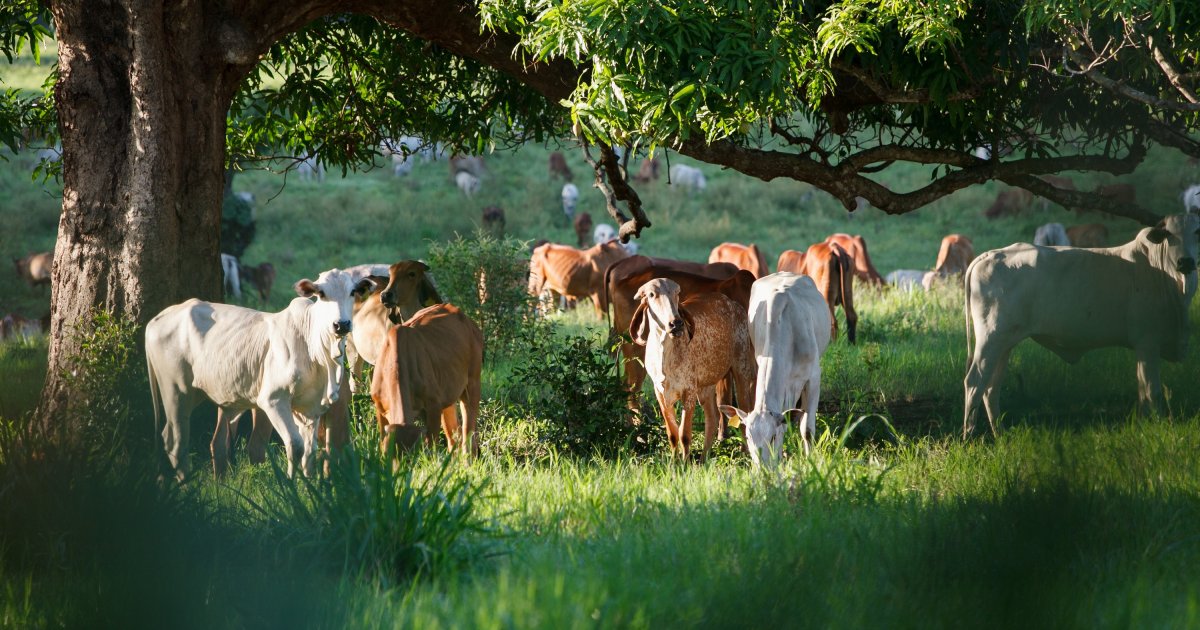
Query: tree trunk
(142,98)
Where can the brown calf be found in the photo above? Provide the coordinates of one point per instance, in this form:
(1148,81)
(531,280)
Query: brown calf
(35,268)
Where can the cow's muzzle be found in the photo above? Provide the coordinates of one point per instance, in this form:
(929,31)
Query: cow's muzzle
(341,328)
(388,298)
(1187,265)
(675,327)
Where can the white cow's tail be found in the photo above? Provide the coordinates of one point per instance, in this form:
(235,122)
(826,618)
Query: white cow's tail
(155,400)
(967,307)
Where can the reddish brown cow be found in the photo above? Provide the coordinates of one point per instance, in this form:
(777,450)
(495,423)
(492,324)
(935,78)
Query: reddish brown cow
(558,166)
(1120,193)
(832,270)
(1088,235)
(648,171)
(35,268)
(790,260)
(1008,202)
(428,364)
(625,277)
(572,272)
(261,277)
(954,256)
(856,247)
(583,228)
(748,257)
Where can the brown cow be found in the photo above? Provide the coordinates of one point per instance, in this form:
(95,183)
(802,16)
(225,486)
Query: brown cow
(748,257)
(261,277)
(493,219)
(35,268)
(14,327)
(571,272)
(832,270)
(1008,202)
(790,260)
(648,171)
(691,346)
(626,276)
(583,228)
(856,247)
(1088,235)
(1120,193)
(1057,181)
(426,365)
(954,256)
(558,166)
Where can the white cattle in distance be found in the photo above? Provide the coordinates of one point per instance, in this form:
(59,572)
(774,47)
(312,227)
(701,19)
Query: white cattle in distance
(688,178)
(310,169)
(907,279)
(790,329)
(232,282)
(1051,235)
(1191,198)
(467,183)
(570,197)
(1072,300)
(603,233)
(288,364)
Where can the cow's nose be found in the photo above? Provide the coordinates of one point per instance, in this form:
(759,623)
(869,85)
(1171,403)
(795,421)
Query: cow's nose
(1187,265)
(386,298)
(341,328)
(676,326)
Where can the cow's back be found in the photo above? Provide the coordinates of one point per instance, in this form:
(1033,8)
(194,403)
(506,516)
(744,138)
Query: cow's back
(790,326)
(437,351)
(624,277)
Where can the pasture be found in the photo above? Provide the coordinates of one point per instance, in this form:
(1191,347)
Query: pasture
(1078,515)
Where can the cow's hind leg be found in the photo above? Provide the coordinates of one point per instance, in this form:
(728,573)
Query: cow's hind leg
(279,412)
(708,398)
(178,407)
(220,441)
(1149,382)
(470,412)
(635,374)
(260,435)
(982,382)
(450,429)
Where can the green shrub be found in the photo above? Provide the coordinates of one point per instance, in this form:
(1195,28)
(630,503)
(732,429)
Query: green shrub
(486,278)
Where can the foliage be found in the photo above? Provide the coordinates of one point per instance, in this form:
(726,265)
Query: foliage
(486,278)
(106,384)
(571,389)
(237,225)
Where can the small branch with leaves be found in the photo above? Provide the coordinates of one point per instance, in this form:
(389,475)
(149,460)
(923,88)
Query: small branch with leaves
(610,179)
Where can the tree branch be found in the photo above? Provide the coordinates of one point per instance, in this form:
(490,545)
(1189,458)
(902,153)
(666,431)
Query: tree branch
(610,179)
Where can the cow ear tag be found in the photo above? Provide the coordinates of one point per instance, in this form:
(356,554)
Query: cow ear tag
(735,421)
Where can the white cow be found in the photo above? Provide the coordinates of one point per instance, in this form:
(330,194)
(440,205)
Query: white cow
(688,178)
(570,197)
(907,279)
(233,281)
(467,183)
(1071,300)
(288,364)
(1051,235)
(310,168)
(1191,198)
(790,328)
(603,233)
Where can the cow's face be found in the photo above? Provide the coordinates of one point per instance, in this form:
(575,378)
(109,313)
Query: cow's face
(335,291)
(404,278)
(764,434)
(658,313)
(1178,241)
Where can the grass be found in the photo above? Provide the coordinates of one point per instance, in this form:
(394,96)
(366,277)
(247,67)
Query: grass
(1076,516)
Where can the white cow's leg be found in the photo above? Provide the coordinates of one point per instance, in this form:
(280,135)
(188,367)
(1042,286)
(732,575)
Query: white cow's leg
(220,441)
(983,381)
(1149,382)
(810,395)
(308,428)
(279,412)
(178,407)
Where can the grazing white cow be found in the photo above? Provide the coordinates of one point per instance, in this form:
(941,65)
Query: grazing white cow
(310,169)
(1071,300)
(1051,235)
(233,281)
(288,364)
(688,178)
(467,183)
(1191,198)
(570,197)
(790,328)
(603,233)
(907,279)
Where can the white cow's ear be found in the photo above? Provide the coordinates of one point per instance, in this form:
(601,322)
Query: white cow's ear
(306,288)
(731,411)
(1157,235)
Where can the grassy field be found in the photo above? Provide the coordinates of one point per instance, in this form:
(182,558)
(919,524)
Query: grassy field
(1077,516)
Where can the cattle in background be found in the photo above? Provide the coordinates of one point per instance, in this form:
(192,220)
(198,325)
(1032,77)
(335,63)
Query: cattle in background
(558,167)
(1091,235)
(625,277)
(467,183)
(1118,193)
(261,277)
(692,345)
(35,269)
(856,247)
(1008,202)
(570,198)
(907,279)
(688,178)
(1051,235)
(583,228)
(1057,181)
(790,260)
(648,171)
(1072,300)
(1191,198)
(603,233)
(493,219)
(832,270)
(288,364)
(748,257)
(789,325)
(472,164)
(232,281)
(575,273)
(427,365)
(310,169)
(14,327)
(954,256)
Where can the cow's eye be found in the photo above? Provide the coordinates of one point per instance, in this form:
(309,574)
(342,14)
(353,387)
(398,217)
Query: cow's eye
(652,294)
(412,274)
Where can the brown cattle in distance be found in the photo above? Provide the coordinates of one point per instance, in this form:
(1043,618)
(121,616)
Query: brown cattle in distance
(748,257)
(1120,193)
(493,219)
(832,270)
(1090,235)
(35,268)
(1009,202)
(261,277)
(571,272)
(583,228)
(427,365)
(558,166)
(954,256)
(856,247)
(649,170)
(790,260)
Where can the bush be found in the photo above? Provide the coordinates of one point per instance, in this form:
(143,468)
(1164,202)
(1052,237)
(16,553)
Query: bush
(237,225)
(105,381)
(486,278)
